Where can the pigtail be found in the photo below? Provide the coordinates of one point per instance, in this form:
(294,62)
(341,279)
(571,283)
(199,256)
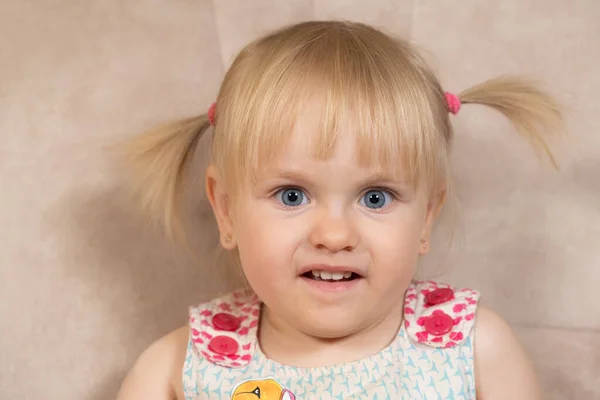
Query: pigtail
(159,158)
(534,113)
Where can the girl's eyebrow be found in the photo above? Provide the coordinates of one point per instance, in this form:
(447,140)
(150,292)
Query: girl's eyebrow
(379,178)
(387,181)
(287,174)
(375,179)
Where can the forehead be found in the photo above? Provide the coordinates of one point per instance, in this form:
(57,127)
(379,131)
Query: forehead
(308,150)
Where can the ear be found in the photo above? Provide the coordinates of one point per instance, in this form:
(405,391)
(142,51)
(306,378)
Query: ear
(434,207)
(220,203)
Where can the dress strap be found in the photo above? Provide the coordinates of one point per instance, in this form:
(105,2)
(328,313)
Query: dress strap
(224,330)
(438,315)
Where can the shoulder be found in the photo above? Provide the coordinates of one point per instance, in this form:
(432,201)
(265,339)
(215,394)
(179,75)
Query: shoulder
(438,315)
(500,359)
(156,375)
(223,331)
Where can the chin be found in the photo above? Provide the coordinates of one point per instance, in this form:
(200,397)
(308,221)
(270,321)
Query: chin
(323,326)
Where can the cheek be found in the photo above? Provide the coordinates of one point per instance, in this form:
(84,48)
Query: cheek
(265,243)
(402,229)
(403,237)
(395,245)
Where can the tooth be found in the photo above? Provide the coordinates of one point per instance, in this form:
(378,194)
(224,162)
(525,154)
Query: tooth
(325,275)
(347,275)
(336,276)
(316,274)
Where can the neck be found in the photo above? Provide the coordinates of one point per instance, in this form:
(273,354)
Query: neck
(288,345)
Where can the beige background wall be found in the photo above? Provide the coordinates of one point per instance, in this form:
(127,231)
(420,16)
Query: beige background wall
(86,283)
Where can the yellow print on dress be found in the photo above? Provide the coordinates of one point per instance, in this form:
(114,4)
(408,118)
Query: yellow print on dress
(264,389)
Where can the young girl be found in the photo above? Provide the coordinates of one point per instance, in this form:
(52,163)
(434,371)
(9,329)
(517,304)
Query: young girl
(329,165)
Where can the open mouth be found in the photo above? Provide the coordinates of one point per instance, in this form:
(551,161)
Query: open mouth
(319,275)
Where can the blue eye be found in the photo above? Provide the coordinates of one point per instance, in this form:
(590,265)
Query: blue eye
(291,197)
(376,199)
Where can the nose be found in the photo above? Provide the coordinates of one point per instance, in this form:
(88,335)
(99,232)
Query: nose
(334,232)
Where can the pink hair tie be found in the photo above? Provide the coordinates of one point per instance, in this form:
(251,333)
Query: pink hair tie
(453,102)
(211,113)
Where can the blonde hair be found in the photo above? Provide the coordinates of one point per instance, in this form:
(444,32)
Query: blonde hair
(358,74)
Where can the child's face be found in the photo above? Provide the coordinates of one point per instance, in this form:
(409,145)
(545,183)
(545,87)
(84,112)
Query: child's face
(308,223)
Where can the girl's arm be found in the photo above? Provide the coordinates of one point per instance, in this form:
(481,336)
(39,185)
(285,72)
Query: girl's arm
(156,375)
(502,370)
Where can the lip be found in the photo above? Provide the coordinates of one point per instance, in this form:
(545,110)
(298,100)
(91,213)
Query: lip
(331,268)
(322,287)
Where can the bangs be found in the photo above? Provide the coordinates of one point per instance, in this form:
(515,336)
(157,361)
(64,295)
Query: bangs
(361,77)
